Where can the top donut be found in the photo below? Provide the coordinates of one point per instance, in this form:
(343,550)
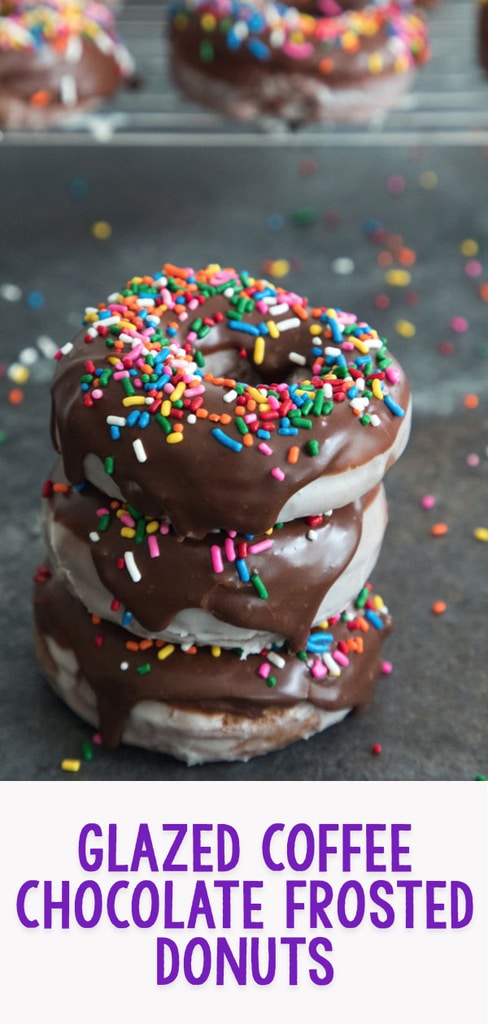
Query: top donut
(224,401)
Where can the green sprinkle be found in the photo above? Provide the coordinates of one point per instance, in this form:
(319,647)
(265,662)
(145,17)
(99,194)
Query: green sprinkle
(196,324)
(318,403)
(302,655)
(259,586)
(362,598)
(108,465)
(206,51)
(128,386)
(241,425)
(164,423)
(104,378)
(86,378)
(271,681)
(307,407)
(199,358)
(365,419)
(140,531)
(104,523)
(313,447)
(300,421)
(328,407)
(143,669)
(302,218)
(87,750)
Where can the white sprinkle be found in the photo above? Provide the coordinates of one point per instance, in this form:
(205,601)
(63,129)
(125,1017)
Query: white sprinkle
(276,659)
(10,292)
(330,350)
(277,38)
(287,325)
(68,90)
(359,403)
(46,345)
(191,418)
(74,50)
(328,513)
(295,357)
(139,450)
(360,383)
(92,332)
(186,647)
(343,265)
(124,665)
(241,30)
(114,297)
(125,337)
(282,307)
(28,356)
(375,420)
(331,664)
(312,535)
(145,302)
(130,564)
(230,396)
(116,421)
(66,349)
(94,536)
(109,320)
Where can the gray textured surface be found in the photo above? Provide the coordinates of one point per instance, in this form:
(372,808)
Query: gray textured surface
(202,204)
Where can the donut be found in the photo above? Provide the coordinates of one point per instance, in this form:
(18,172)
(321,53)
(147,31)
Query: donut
(139,411)
(203,704)
(227,590)
(318,61)
(57,59)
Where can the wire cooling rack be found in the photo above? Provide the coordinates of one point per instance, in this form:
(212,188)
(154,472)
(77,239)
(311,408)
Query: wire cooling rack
(448,104)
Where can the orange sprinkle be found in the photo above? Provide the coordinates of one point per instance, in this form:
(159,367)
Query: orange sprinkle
(40,98)
(16,396)
(191,650)
(202,414)
(240,410)
(407,257)
(214,417)
(385,259)
(178,428)
(439,607)
(96,620)
(326,66)
(471,401)
(131,645)
(300,312)
(483,290)
(439,529)
(248,440)
(225,418)
(61,488)
(145,644)
(293,455)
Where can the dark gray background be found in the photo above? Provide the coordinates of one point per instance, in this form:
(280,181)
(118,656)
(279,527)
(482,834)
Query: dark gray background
(175,183)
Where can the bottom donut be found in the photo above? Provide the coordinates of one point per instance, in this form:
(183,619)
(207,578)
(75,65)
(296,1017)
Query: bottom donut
(205,704)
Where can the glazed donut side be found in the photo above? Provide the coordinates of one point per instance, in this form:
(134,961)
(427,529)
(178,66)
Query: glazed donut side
(196,706)
(274,59)
(136,410)
(225,590)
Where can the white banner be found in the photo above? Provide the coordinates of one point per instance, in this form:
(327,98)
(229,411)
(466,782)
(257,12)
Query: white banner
(244,899)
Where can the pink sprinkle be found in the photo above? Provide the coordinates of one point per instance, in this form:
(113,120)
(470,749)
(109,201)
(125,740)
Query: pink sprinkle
(382,301)
(164,529)
(278,473)
(97,393)
(230,550)
(473,459)
(392,374)
(459,324)
(103,512)
(97,739)
(152,543)
(261,306)
(341,658)
(298,51)
(191,336)
(265,449)
(264,670)
(216,556)
(261,545)
(376,748)
(428,501)
(347,346)
(127,520)
(193,304)
(318,669)
(386,667)
(473,268)
(250,418)
(395,184)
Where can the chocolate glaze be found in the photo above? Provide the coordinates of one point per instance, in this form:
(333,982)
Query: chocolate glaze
(200,484)
(24,73)
(297,573)
(483,34)
(194,681)
(345,66)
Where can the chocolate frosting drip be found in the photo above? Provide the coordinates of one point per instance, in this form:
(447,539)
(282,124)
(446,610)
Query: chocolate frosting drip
(195,681)
(201,484)
(24,73)
(296,572)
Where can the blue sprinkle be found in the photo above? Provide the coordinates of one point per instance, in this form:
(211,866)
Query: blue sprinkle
(240,325)
(353,392)
(373,618)
(133,418)
(263,434)
(35,300)
(242,570)
(288,431)
(227,441)
(393,407)
(114,432)
(126,618)
(144,419)
(84,387)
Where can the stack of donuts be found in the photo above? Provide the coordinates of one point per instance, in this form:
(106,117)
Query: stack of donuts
(58,58)
(215,513)
(297,61)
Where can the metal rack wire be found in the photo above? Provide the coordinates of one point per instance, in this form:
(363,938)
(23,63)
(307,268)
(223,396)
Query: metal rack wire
(448,104)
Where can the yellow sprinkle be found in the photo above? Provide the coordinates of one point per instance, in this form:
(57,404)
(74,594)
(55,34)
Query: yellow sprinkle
(378,602)
(18,373)
(101,229)
(166,408)
(257,395)
(152,527)
(127,531)
(259,350)
(178,392)
(174,438)
(164,652)
(273,330)
(361,346)
(216,652)
(70,765)
(405,328)
(469,247)
(208,22)
(428,179)
(91,317)
(113,360)
(324,624)
(375,63)
(279,268)
(398,278)
(481,533)
(315,329)
(376,388)
(133,400)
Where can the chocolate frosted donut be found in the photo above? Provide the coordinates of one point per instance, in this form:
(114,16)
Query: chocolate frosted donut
(296,63)
(139,411)
(57,58)
(227,590)
(200,706)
